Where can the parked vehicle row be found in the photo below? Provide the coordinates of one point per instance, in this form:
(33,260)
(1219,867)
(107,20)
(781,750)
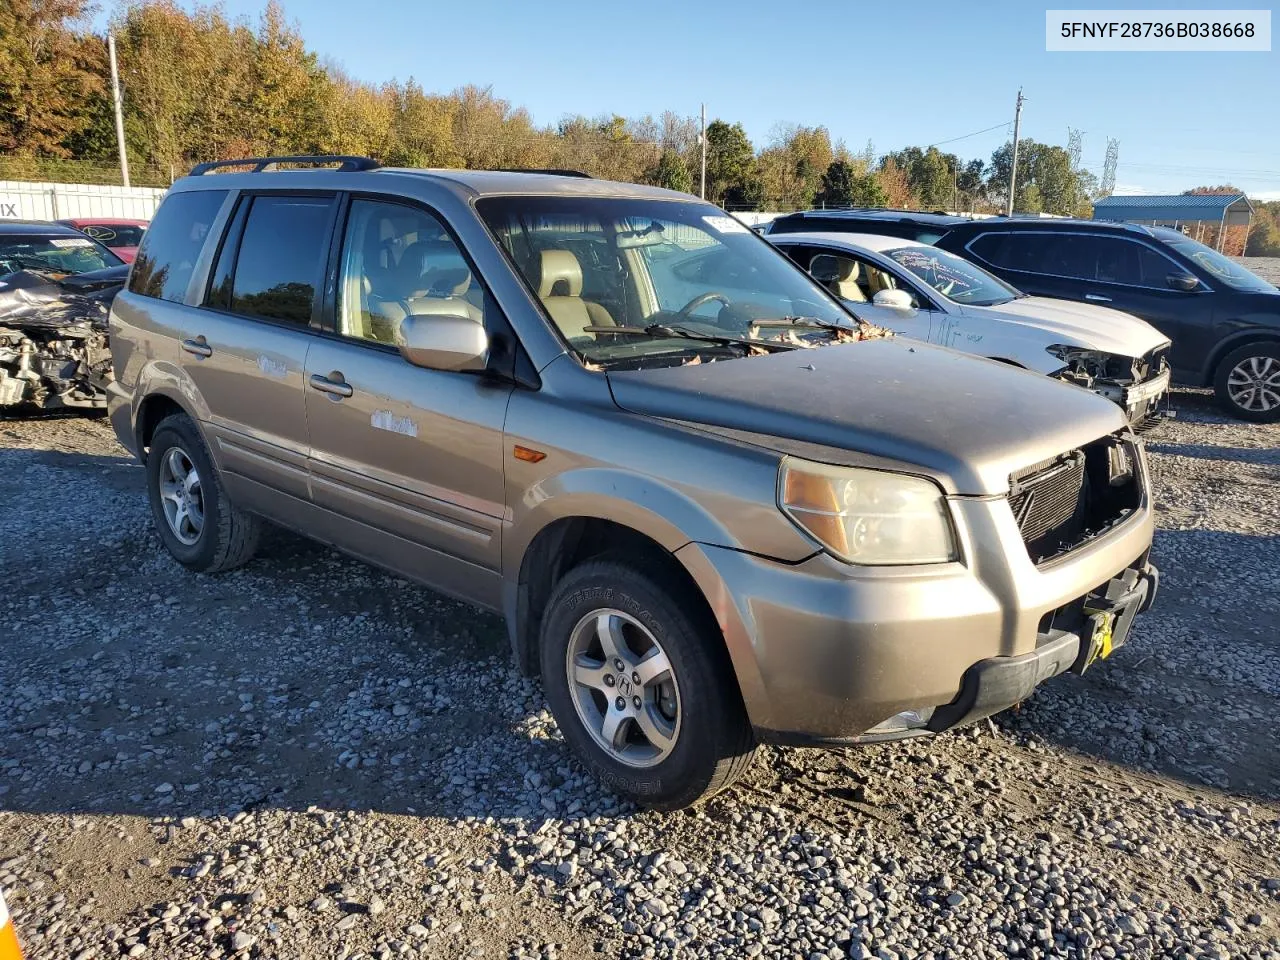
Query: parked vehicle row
(713,506)
(1223,321)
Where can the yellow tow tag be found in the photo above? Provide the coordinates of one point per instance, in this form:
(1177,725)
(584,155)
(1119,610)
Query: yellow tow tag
(1103,627)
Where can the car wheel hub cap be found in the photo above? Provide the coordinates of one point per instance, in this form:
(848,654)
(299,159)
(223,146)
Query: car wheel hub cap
(623,687)
(1254,384)
(182,496)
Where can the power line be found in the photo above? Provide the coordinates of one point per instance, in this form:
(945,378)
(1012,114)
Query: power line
(966,136)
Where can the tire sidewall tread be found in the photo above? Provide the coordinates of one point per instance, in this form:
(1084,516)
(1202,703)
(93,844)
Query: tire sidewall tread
(1260,348)
(715,743)
(230,536)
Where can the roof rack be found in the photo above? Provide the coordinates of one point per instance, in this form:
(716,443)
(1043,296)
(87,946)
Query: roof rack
(259,164)
(549,171)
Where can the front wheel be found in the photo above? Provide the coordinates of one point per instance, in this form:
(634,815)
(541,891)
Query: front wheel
(641,687)
(1247,383)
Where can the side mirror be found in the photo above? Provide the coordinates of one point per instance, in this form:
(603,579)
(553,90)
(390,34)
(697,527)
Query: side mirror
(443,341)
(897,299)
(1182,281)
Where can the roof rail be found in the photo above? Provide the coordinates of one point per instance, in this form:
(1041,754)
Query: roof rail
(260,164)
(549,171)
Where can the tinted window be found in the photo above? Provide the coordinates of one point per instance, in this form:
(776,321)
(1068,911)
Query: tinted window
(114,234)
(281,258)
(399,261)
(172,245)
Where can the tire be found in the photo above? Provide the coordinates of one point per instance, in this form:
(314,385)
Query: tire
(1247,382)
(225,537)
(711,743)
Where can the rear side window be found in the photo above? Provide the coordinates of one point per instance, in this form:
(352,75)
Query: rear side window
(280,259)
(172,244)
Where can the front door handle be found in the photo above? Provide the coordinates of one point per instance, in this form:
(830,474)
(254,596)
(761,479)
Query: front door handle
(1097,297)
(198,347)
(334,384)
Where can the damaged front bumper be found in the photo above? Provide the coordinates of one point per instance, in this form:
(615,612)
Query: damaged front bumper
(1138,385)
(54,352)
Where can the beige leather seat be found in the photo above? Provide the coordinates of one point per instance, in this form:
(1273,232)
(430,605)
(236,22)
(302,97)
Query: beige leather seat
(434,280)
(839,275)
(560,288)
(878,280)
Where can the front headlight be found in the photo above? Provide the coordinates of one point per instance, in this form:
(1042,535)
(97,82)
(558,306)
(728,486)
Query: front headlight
(867,516)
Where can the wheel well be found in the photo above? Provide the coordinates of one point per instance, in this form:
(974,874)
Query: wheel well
(1231,346)
(569,542)
(154,409)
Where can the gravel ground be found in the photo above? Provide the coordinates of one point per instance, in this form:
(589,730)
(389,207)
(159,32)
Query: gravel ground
(310,758)
(1268,268)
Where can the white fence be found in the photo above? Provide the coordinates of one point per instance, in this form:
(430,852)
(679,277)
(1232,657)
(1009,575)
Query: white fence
(25,200)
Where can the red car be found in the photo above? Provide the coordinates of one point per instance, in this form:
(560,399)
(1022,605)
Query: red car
(120,235)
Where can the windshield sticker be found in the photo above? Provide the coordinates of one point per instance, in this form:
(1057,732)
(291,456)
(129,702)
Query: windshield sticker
(941,277)
(386,420)
(71,242)
(725,225)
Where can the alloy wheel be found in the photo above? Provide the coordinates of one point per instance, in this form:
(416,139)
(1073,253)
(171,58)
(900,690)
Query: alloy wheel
(624,688)
(182,496)
(1254,384)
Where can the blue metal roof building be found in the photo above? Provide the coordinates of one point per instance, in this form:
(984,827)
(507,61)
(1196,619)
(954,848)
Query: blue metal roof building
(1191,213)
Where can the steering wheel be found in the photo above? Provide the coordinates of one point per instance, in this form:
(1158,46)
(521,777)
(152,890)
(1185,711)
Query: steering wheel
(700,299)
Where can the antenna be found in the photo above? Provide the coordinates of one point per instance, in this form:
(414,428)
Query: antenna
(1109,168)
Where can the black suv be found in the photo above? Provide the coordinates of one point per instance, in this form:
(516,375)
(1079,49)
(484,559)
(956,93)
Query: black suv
(1223,320)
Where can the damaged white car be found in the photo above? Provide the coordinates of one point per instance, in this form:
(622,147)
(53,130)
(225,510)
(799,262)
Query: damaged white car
(919,291)
(56,288)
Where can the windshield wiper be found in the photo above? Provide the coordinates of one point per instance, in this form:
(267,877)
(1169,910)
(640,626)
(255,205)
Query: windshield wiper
(809,322)
(659,330)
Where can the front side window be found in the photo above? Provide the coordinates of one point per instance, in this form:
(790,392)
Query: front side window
(57,256)
(599,262)
(954,278)
(172,244)
(399,261)
(1219,267)
(281,258)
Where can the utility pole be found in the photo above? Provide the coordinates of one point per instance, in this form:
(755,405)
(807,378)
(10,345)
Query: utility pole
(702,189)
(1013,169)
(115,93)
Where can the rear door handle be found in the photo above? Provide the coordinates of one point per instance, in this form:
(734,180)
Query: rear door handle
(334,384)
(198,347)
(1097,297)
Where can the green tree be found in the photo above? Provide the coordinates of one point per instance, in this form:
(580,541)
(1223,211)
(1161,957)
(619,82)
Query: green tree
(842,186)
(732,177)
(672,173)
(1047,183)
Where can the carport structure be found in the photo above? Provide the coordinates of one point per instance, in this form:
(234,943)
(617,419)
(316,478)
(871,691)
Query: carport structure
(1193,214)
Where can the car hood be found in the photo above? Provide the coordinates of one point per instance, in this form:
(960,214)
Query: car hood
(127,254)
(966,421)
(1100,328)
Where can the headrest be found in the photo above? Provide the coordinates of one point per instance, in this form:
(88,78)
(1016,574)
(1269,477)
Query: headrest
(434,267)
(829,268)
(561,275)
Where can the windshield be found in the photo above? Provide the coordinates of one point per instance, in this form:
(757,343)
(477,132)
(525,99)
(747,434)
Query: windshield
(602,262)
(114,234)
(60,255)
(954,278)
(1218,266)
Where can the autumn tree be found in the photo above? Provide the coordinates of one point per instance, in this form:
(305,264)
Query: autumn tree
(51,75)
(672,172)
(844,186)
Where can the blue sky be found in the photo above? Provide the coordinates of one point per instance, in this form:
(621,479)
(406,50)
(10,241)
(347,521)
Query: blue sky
(895,73)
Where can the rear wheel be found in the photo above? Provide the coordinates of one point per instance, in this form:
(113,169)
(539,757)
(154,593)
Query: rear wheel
(197,524)
(641,687)
(1248,382)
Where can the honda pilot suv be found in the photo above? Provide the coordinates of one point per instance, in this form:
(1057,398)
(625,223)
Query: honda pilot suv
(713,508)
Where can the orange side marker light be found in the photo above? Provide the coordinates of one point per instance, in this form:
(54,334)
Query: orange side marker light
(9,949)
(528,454)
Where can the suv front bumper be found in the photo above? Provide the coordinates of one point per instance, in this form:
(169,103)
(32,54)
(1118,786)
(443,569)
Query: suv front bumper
(828,653)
